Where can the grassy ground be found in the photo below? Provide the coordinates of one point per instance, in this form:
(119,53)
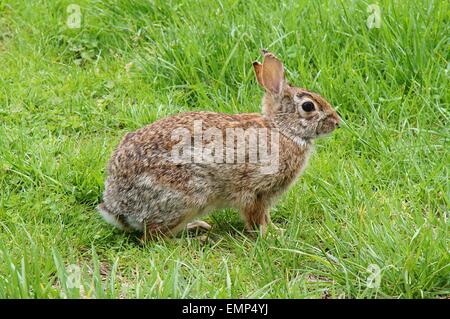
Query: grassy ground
(374,197)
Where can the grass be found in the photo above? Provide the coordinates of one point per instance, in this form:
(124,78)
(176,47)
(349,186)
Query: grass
(375,193)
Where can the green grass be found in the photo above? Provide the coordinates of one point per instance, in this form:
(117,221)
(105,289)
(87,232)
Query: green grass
(375,192)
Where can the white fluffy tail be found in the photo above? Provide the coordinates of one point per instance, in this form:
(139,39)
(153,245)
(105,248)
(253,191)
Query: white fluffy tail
(109,217)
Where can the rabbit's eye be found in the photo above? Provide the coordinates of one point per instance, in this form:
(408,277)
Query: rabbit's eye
(308,106)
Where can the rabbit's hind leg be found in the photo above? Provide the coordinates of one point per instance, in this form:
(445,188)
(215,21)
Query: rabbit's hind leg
(198,225)
(153,231)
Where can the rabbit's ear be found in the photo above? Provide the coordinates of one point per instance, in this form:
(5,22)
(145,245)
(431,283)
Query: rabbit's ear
(272,73)
(258,71)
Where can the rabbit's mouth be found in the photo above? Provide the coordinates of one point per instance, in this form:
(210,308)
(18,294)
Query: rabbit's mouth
(326,126)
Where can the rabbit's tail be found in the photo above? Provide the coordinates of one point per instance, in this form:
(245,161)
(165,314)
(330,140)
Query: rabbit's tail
(120,221)
(114,219)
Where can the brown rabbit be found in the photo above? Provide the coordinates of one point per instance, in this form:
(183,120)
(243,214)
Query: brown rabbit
(179,168)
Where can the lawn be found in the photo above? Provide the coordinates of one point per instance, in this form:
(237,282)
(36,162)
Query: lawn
(368,218)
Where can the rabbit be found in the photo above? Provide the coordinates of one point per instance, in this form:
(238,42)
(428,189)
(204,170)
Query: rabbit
(150,190)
